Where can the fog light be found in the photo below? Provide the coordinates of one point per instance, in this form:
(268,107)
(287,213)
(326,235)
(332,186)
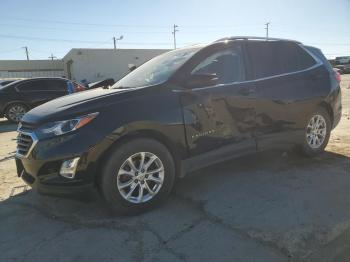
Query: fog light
(69,167)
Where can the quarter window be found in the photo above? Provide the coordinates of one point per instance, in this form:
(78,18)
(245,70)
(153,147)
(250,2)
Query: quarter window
(227,65)
(274,58)
(56,85)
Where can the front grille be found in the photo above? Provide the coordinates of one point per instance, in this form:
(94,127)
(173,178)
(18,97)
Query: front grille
(24,143)
(26,127)
(25,140)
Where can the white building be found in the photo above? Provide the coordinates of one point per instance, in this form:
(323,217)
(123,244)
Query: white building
(92,65)
(81,64)
(31,68)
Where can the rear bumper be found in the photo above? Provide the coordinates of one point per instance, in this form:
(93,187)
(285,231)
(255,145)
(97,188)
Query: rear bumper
(337,118)
(336,104)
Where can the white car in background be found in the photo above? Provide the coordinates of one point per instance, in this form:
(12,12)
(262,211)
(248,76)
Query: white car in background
(341,60)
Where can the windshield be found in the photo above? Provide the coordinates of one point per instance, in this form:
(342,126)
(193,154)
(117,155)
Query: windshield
(156,70)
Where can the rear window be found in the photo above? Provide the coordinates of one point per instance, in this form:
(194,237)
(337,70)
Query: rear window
(275,58)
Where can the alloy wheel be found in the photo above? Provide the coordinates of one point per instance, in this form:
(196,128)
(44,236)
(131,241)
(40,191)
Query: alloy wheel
(140,177)
(316,131)
(16,112)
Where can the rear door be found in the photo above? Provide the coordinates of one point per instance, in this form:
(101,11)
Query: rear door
(39,91)
(220,117)
(32,92)
(287,81)
(56,88)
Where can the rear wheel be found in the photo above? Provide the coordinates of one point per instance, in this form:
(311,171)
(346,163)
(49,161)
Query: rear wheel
(138,175)
(15,112)
(317,132)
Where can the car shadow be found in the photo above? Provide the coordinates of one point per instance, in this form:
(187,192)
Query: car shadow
(271,193)
(7,126)
(203,179)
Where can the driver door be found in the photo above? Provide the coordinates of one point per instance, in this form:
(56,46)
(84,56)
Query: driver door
(221,117)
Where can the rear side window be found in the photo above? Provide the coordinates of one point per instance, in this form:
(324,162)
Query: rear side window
(32,86)
(43,85)
(227,65)
(275,58)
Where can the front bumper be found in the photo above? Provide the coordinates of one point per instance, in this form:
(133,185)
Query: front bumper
(40,166)
(45,178)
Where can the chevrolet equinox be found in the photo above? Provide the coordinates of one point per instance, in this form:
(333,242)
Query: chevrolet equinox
(180,111)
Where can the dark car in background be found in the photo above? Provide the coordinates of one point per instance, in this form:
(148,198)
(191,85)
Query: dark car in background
(180,111)
(6,82)
(19,97)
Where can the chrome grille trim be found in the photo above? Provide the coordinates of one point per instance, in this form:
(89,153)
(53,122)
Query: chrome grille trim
(26,141)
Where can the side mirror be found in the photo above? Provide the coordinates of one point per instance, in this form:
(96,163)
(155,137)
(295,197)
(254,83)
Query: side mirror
(132,67)
(201,80)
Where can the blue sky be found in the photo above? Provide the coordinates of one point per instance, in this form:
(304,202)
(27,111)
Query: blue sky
(48,26)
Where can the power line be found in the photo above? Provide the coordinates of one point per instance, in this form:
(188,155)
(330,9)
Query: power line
(78,41)
(10,50)
(79,29)
(129,32)
(80,23)
(121,25)
(107,42)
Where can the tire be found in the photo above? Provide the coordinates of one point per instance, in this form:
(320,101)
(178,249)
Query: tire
(117,173)
(310,146)
(15,112)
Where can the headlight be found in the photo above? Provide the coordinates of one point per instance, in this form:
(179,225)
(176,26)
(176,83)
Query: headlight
(63,127)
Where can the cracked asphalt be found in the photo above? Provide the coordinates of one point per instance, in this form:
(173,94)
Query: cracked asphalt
(271,206)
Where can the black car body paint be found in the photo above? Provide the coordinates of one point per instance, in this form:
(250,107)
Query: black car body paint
(199,126)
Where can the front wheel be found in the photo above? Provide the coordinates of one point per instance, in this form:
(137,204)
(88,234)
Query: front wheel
(317,132)
(138,175)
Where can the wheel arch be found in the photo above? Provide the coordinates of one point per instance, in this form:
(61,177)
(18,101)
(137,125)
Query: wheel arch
(142,133)
(329,110)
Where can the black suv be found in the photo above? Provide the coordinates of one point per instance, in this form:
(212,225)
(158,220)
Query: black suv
(20,96)
(178,112)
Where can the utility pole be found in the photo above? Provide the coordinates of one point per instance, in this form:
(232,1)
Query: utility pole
(267,30)
(174,33)
(27,53)
(52,57)
(115,41)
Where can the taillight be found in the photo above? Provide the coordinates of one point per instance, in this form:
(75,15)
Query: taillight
(337,76)
(78,88)
(74,87)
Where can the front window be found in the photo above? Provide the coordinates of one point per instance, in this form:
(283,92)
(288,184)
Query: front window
(157,70)
(226,65)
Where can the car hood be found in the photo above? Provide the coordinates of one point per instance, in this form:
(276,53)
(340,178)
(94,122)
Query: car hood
(70,106)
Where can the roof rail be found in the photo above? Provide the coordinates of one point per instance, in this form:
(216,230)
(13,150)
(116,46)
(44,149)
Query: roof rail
(255,38)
